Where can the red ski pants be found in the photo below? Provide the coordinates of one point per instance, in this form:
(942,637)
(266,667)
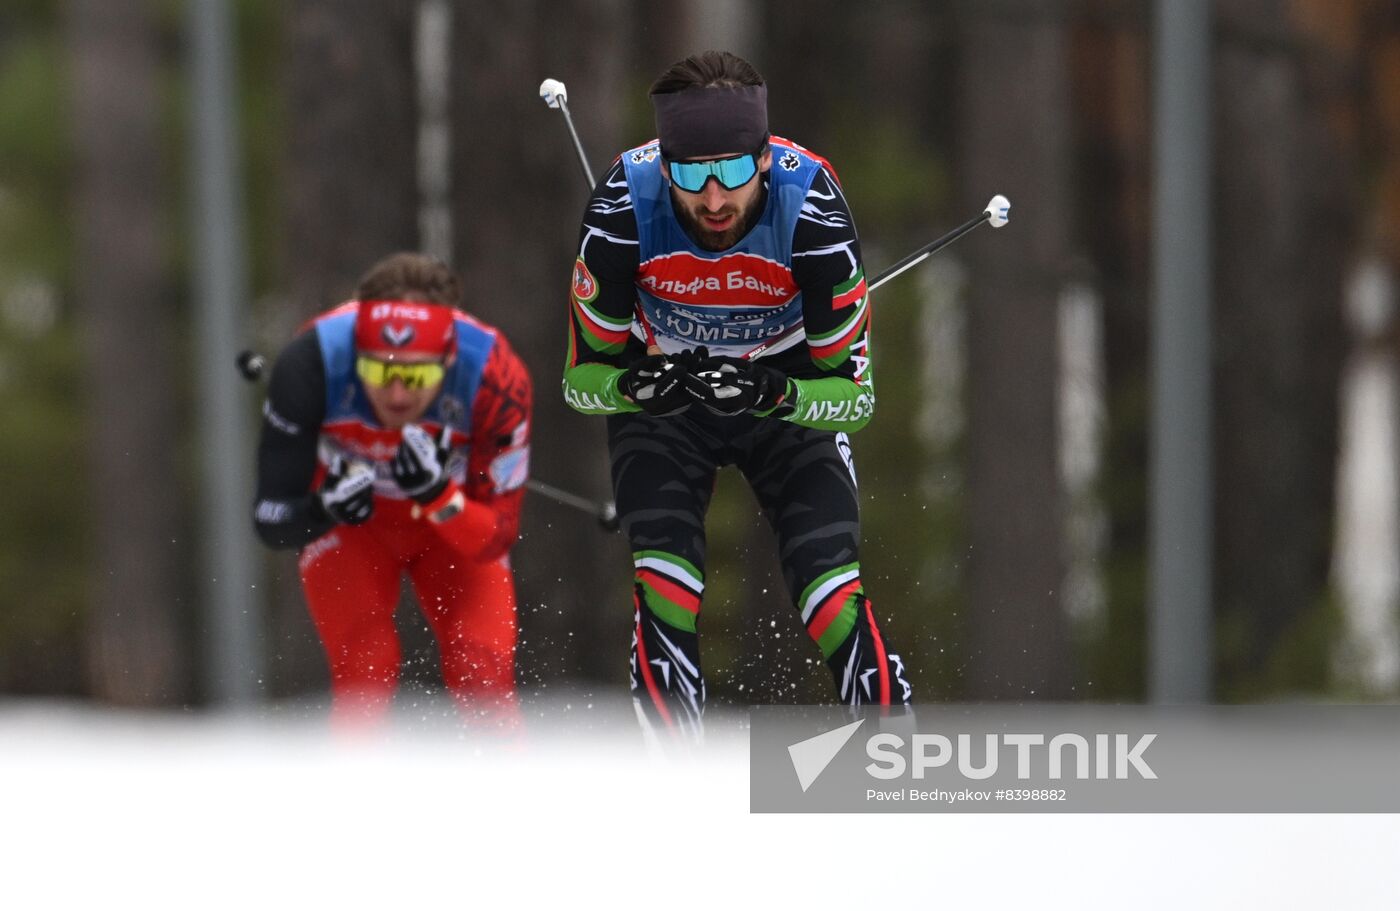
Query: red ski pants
(351,579)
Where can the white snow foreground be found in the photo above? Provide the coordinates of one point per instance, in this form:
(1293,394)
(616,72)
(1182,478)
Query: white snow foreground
(110,809)
(188,810)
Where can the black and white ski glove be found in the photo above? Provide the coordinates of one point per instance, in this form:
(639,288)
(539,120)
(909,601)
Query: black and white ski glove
(657,382)
(420,465)
(730,386)
(347,493)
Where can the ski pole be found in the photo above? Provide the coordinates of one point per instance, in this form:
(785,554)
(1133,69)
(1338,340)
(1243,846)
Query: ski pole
(995,214)
(554,94)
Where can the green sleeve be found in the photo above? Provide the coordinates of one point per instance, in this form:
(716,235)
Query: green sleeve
(831,403)
(592,389)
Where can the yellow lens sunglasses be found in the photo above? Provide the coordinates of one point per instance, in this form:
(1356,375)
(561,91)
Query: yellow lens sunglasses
(414,376)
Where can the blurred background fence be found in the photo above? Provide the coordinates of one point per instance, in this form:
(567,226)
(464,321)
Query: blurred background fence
(1020,463)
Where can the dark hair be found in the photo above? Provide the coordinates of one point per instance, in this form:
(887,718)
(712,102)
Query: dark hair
(705,70)
(411,276)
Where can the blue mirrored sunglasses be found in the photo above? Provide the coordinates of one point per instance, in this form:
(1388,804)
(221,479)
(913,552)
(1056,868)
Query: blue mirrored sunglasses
(732,173)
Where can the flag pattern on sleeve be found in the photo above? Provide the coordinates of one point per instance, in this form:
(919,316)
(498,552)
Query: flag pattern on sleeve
(599,331)
(833,348)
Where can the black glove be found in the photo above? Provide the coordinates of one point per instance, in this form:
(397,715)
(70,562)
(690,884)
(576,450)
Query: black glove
(731,385)
(420,465)
(347,493)
(657,382)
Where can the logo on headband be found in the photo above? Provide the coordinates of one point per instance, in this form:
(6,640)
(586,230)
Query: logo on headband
(397,336)
(404,326)
(400,310)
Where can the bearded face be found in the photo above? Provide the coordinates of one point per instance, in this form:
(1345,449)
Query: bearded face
(717,218)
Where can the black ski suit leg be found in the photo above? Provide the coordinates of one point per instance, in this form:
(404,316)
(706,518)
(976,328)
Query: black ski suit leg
(663,472)
(805,481)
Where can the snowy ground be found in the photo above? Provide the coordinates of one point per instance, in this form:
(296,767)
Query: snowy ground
(115,809)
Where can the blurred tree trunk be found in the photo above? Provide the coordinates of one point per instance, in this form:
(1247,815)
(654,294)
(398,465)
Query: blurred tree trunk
(1285,215)
(518,197)
(351,197)
(351,189)
(1014,139)
(134,654)
(656,38)
(1381,34)
(1112,120)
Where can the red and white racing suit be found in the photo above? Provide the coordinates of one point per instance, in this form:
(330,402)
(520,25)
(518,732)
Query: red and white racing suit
(459,567)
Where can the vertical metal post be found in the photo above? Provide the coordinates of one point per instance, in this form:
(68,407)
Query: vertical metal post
(432,61)
(228,581)
(1180,533)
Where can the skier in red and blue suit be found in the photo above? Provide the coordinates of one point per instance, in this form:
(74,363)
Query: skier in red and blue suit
(720,316)
(395,440)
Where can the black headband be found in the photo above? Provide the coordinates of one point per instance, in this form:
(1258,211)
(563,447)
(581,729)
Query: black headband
(700,123)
